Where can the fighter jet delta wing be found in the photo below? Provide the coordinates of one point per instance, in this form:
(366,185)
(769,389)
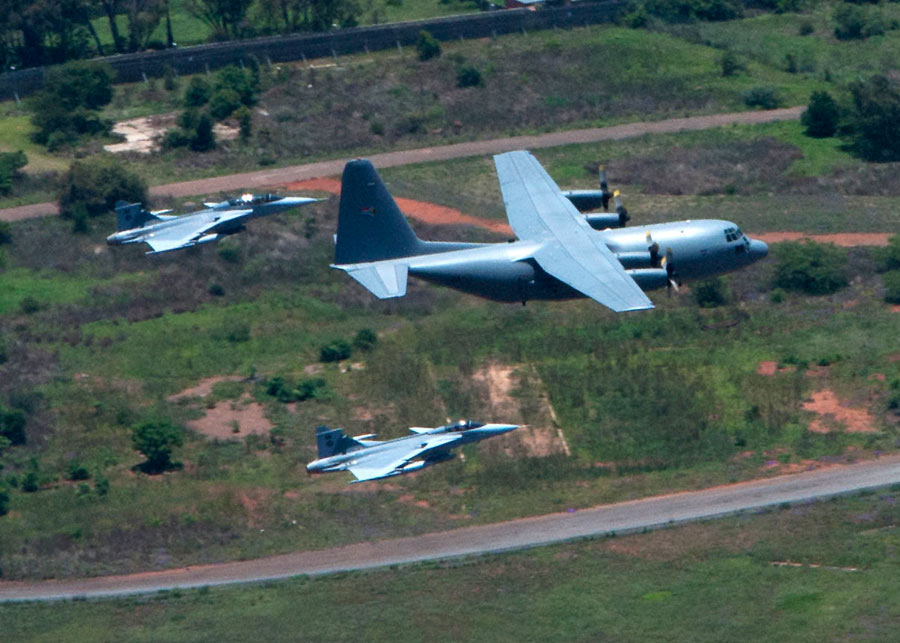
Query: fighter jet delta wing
(386,462)
(175,237)
(570,249)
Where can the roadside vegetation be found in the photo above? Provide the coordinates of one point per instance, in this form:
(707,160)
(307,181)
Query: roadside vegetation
(807,572)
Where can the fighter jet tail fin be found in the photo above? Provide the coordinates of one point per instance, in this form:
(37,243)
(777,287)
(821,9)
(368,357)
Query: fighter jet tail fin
(332,441)
(370,225)
(132,215)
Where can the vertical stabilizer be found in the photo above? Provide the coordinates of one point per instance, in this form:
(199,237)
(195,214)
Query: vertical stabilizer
(132,215)
(332,441)
(370,225)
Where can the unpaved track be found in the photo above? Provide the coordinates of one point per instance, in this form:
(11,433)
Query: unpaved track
(279,176)
(636,515)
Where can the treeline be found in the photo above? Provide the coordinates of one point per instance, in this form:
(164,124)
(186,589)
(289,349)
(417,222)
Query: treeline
(44,32)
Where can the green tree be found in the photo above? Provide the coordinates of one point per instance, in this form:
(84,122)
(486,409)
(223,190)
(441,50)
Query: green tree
(240,81)
(203,139)
(4,500)
(874,118)
(469,76)
(97,183)
(730,64)
(68,104)
(427,46)
(156,440)
(710,293)
(10,164)
(223,103)
(335,351)
(225,17)
(365,339)
(6,235)
(888,258)
(245,119)
(821,116)
(197,92)
(812,268)
(12,425)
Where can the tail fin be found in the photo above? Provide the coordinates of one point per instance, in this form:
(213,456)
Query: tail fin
(370,225)
(332,441)
(132,215)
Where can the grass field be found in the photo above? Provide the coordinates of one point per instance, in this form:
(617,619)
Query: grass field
(704,582)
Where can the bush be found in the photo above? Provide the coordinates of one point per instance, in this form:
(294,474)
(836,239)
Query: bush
(730,64)
(203,139)
(762,97)
(856,23)
(223,103)
(67,104)
(78,471)
(28,305)
(97,183)
(309,389)
(874,118)
(4,501)
(691,10)
(710,293)
(175,138)
(197,93)
(12,425)
(335,351)
(156,441)
(812,268)
(892,286)
(240,81)
(365,339)
(888,258)
(427,46)
(30,482)
(10,164)
(245,120)
(5,233)
(469,76)
(821,116)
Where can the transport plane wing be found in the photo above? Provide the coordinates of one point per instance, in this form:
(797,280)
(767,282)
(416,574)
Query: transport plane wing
(538,211)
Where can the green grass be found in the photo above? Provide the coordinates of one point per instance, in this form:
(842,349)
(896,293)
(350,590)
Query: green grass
(15,134)
(705,582)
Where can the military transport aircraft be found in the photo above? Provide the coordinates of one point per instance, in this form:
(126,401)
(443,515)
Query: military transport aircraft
(369,459)
(163,232)
(558,254)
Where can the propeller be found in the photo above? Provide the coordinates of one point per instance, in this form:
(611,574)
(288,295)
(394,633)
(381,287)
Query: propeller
(604,189)
(623,213)
(653,249)
(672,276)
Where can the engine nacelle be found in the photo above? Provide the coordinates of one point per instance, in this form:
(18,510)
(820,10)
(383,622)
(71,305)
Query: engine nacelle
(604,220)
(649,278)
(639,259)
(586,200)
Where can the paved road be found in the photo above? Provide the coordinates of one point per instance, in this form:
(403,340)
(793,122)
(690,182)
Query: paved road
(636,515)
(279,176)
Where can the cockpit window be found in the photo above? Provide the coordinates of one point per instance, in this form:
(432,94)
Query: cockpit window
(733,234)
(465,425)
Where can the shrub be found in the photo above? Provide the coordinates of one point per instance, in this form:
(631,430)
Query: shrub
(28,305)
(427,46)
(175,138)
(12,425)
(245,120)
(238,80)
(730,64)
(365,339)
(806,28)
(469,76)
(888,258)
(101,484)
(691,10)
(223,103)
(4,501)
(197,93)
(335,351)
(10,164)
(892,286)
(710,293)
(812,268)
(156,441)
(874,118)
(78,471)
(203,139)
(97,183)
(821,116)
(67,104)
(762,97)
(856,23)
(170,79)
(30,482)
(309,389)
(5,233)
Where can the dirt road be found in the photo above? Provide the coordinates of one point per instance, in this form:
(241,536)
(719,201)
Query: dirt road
(280,176)
(636,515)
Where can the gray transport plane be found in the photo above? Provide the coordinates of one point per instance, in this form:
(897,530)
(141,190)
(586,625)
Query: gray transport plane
(369,459)
(558,255)
(163,232)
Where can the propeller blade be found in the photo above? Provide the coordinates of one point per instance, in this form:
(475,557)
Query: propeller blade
(623,213)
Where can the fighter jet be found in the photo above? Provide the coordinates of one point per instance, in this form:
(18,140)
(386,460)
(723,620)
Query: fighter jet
(369,459)
(558,254)
(163,232)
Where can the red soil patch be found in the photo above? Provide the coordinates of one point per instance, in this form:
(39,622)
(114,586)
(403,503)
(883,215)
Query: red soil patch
(219,421)
(827,405)
(845,239)
(767,368)
(895,308)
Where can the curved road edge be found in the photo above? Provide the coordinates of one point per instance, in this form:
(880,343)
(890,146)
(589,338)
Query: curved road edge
(635,515)
(279,176)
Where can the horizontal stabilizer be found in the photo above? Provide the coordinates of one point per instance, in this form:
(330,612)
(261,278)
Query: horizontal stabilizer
(384,279)
(420,429)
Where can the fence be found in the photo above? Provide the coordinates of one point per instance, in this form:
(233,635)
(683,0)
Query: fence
(203,58)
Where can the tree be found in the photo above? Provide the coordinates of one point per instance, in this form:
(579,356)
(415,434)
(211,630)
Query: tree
(855,23)
(813,268)
(97,183)
(238,80)
(821,116)
(874,118)
(730,64)
(469,76)
(10,164)
(225,17)
(204,139)
(197,93)
(335,351)
(710,293)
(888,258)
(427,46)
(68,104)
(12,425)
(365,339)
(156,441)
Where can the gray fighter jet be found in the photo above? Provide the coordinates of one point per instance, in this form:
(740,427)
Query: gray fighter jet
(369,459)
(163,232)
(558,254)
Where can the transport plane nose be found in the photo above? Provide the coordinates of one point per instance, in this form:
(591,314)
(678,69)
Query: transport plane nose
(758,249)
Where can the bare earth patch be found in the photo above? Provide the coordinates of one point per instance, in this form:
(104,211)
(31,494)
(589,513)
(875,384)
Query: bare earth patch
(204,388)
(767,368)
(826,404)
(233,420)
(142,135)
